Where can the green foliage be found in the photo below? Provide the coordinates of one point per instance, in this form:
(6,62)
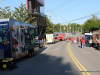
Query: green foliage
(91,24)
(20,13)
(6,13)
(57,27)
(74,27)
(48,27)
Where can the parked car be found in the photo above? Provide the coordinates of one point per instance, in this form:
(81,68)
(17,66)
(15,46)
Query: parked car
(41,43)
(55,40)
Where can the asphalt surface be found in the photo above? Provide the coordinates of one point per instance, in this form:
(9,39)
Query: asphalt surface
(54,59)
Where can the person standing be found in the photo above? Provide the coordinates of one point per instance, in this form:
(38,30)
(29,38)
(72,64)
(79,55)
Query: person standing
(67,39)
(74,40)
(90,42)
(42,40)
(77,40)
(83,42)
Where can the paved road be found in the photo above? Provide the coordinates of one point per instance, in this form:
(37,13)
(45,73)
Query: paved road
(57,59)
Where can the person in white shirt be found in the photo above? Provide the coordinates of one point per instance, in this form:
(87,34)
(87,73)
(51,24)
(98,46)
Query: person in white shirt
(90,42)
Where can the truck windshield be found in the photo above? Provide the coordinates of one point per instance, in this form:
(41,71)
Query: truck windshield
(88,38)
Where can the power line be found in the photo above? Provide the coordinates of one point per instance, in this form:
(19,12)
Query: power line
(71,8)
(75,6)
(59,5)
(84,17)
(59,16)
(63,5)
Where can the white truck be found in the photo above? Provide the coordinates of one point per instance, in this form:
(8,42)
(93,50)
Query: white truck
(50,38)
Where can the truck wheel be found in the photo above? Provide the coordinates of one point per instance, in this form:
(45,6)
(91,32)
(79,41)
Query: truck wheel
(32,53)
(29,53)
(99,48)
(11,66)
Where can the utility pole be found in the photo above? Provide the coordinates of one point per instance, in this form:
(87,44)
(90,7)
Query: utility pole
(60,24)
(78,29)
(50,15)
(67,26)
(81,28)
(70,27)
(73,29)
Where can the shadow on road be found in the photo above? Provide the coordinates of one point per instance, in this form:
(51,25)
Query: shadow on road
(42,64)
(79,46)
(40,50)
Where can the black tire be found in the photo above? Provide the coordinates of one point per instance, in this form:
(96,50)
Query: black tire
(98,48)
(29,53)
(32,53)
(11,66)
(39,45)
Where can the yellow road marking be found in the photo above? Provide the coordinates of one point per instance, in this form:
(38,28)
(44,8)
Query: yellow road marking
(76,61)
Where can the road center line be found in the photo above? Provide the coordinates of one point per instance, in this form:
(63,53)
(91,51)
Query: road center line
(78,64)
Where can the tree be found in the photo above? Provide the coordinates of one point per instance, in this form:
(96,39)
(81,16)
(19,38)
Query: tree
(49,27)
(20,14)
(57,27)
(6,13)
(92,24)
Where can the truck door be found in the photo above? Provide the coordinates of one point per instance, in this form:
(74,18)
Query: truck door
(27,38)
(5,47)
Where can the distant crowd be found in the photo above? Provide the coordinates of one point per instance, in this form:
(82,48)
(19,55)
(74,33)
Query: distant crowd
(77,40)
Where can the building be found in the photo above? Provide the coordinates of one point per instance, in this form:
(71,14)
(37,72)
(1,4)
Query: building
(36,9)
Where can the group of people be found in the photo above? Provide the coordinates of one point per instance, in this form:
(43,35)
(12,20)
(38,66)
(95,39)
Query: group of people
(77,40)
(73,40)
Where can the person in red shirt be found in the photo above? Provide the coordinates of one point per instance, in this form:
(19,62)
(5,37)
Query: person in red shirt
(67,39)
(83,42)
(72,40)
